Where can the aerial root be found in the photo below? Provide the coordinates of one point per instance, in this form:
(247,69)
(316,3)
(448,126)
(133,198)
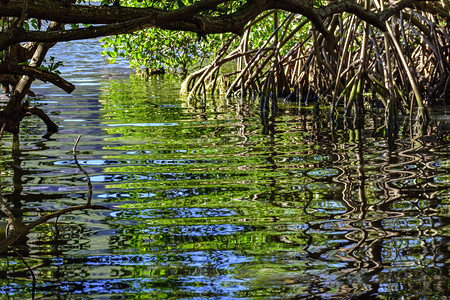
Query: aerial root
(347,71)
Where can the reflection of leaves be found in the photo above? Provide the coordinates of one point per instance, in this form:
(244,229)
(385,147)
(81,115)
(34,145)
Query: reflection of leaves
(133,105)
(295,205)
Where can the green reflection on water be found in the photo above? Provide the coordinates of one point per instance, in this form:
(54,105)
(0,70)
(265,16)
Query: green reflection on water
(206,202)
(303,204)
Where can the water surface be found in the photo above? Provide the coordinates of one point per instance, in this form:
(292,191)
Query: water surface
(209,201)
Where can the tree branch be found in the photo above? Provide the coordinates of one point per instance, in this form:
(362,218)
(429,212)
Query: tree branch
(181,19)
(354,8)
(306,9)
(14,104)
(59,12)
(37,73)
(51,126)
(122,20)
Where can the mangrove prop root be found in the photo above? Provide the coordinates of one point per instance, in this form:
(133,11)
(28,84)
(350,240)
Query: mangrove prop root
(362,63)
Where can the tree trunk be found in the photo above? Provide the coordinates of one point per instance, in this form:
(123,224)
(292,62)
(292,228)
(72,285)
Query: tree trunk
(17,109)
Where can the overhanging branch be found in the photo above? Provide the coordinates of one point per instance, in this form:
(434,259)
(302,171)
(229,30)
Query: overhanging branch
(183,19)
(37,73)
(58,11)
(122,20)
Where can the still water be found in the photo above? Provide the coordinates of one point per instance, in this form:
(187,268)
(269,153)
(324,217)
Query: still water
(208,201)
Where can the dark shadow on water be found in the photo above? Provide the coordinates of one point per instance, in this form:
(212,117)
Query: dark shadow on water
(20,258)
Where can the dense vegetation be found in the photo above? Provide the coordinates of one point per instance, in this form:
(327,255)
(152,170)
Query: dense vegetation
(335,53)
(341,57)
(347,63)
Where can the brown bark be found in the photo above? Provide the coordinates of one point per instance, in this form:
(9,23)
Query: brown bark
(6,72)
(120,20)
(16,110)
(115,20)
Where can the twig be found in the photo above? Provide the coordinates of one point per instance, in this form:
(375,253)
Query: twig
(2,130)
(24,13)
(16,235)
(74,150)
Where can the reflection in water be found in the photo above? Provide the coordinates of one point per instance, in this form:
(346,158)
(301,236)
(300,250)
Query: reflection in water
(212,202)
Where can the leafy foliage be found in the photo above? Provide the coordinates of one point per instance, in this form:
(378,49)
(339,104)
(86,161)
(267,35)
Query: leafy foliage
(182,51)
(51,65)
(176,50)
(156,49)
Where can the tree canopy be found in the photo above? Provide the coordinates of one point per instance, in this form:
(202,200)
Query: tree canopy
(203,17)
(354,45)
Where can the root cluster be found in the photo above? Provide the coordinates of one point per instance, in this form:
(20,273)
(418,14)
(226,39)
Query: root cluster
(403,68)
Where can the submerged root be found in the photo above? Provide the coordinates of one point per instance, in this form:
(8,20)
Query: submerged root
(10,119)
(349,67)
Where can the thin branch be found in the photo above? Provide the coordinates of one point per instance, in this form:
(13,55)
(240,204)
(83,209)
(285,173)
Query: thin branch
(2,130)
(74,150)
(37,73)
(23,17)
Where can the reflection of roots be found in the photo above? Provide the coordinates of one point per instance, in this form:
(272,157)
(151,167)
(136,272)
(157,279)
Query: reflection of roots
(13,234)
(17,235)
(379,234)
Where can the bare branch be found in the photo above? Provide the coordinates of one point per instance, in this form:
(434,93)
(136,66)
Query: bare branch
(51,126)
(88,179)
(37,73)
